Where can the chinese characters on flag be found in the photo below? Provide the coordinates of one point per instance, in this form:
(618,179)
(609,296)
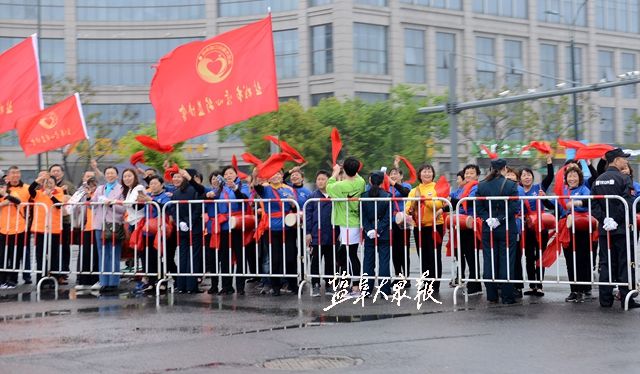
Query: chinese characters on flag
(206,85)
(20,87)
(54,127)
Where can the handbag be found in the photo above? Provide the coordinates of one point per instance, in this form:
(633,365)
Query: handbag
(110,231)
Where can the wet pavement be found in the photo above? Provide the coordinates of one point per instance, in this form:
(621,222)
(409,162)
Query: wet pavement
(129,333)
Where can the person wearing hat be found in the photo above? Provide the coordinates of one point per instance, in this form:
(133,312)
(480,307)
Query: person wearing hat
(612,218)
(499,231)
(375,226)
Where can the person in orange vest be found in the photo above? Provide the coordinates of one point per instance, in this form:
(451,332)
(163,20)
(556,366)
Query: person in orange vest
(13,233)
(44,194)
(68,189)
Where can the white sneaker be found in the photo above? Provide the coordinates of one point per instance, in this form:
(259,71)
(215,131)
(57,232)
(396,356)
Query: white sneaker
(315,291)
(474,293)
(82,287)
(96,286)
(3,286)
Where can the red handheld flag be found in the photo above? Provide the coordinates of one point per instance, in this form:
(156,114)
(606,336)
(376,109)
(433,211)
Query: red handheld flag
(592,151)
(203,86)
(336,145)
(386,183)
(413,176)
(492,155)
(20,87)
(443,188)
(273,164)
(54,127)
(571,143)
(542,147)
(286,148)
(234,163)
(153,144)
(137,158)
(251,159)
(168,173)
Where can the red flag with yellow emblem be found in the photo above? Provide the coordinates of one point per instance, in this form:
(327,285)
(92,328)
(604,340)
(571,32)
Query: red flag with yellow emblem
(54,127)
(203,86)
(20,86)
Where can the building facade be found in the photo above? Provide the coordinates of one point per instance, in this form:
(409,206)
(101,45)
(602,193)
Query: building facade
(341,48)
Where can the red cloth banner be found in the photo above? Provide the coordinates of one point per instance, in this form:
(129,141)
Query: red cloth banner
(203,86)
(54,127)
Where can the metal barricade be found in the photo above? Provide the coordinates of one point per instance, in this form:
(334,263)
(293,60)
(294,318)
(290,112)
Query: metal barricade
(344,256)
(103,235)
(636,247)
(16,224)
(575,225)
(214,237)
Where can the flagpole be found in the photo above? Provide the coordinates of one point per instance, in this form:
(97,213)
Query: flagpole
(39,26)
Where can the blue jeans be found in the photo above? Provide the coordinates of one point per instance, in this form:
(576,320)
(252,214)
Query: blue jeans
(369,264)
(108,260)
(500,264)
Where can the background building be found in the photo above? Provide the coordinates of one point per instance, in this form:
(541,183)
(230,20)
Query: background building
(341,48)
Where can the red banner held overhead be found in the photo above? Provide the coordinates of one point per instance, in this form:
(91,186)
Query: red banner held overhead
(54,127)
(203,86)
(20,86)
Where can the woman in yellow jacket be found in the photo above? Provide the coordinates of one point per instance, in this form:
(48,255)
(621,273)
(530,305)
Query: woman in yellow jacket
(427,214)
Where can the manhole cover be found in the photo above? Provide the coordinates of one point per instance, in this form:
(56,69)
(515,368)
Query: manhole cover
(312,363)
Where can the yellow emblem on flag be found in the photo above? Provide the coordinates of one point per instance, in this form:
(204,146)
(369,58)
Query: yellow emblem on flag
(49,121)
(214,62)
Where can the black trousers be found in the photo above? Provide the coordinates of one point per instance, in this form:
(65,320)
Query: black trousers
(190,260)
(533,251)
(352,266)
(40,252)
(87,259)
(230,249)
(212,262)
(617,264)
(582,258)
(318,252)
(149,257)
(468,251)
(400,251)
(11,248)
(430,253)
(66,247)
(281,255)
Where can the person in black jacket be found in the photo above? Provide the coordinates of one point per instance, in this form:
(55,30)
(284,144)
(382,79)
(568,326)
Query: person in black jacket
(613,218)
(321,238)
(401,233)
(188,221)
(375,225)
(499,231)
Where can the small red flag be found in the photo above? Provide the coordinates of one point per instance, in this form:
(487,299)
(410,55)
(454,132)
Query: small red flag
(592,151)
(492,155)
(54,127)
(413,176)
(168,173)
(541,147)
(574,144)
(443,188)
(386,183)
(203,86)
(234,163)
(250,158)
(153,144)
(286,148)
(273,164)
(336,145)
(20,86)
(137,158)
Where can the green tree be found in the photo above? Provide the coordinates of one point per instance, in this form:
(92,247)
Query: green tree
(128,145)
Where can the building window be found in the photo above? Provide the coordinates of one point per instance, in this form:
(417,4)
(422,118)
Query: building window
(321,49)
(51,56)
(139,10)
(548,66)
(445,45)
(286,47)
(513,63)
(50,10)
(578,64)
(504,8)
(444,4)
(617,15)
(569,12)
(235,8)
(485,62)
(628,63)
(319,2)
(317,98)
(370,48)
(607,125)
(116,119)
(284,99)
(414,56)
(122,62)
(605,71)
(372,97)
(372,2)
(630,118)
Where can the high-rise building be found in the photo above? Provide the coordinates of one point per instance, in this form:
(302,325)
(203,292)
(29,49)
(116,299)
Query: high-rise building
(343,48)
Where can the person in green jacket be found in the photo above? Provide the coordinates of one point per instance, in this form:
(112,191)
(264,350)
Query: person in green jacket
(346,215)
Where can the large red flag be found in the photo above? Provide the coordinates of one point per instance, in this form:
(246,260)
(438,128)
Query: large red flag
(20,87)
(54,127)
(204,86)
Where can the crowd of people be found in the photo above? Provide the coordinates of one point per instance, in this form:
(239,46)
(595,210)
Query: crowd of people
(115,216)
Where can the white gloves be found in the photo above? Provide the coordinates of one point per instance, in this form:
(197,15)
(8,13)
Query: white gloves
(371,234)
(609,224)
(493,222)
(184,226)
